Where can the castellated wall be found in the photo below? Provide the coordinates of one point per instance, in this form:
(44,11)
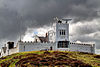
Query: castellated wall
(90,48)
(32,46)
(35,46)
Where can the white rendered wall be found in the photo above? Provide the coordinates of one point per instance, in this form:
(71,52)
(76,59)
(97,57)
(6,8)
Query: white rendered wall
(9,51)
(62,26)
(3,54)
(12,51)
(82,48)
(31,46)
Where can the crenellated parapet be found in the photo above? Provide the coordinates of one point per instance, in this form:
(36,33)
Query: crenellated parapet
(84,44)
(32,42)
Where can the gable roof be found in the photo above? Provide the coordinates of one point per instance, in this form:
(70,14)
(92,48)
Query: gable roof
(43,39)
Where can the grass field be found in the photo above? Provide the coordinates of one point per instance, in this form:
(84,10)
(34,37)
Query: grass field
(51,59)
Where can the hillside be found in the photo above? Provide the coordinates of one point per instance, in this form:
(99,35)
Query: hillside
(51,59)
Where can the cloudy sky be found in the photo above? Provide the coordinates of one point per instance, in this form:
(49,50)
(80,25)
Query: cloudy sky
(27,16)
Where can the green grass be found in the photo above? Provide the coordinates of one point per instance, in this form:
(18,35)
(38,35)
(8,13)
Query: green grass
(84,57)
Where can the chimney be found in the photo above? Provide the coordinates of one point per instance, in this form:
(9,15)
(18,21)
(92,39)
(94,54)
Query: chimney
(36,40)
(46,34)
(4,45)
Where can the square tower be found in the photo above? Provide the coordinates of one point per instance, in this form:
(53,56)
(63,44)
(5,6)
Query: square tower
(62,34)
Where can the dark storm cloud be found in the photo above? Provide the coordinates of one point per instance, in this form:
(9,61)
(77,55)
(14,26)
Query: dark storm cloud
(86,27)
(86,32)
(36,13)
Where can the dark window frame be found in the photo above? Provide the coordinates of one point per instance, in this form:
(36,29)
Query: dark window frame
(63,44)
(62,32)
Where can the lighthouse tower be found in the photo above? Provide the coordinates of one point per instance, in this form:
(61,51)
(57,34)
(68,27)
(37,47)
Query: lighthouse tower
(62,34)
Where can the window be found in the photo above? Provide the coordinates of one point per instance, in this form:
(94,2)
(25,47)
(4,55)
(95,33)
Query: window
(62,32)
(63,44)
(24,48)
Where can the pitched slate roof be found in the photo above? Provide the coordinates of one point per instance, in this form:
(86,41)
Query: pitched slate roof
(43,39)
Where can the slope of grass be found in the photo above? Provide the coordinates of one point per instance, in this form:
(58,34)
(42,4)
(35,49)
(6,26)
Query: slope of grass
(51,58)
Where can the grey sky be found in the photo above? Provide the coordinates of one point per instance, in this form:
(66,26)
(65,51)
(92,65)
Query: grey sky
(37,13)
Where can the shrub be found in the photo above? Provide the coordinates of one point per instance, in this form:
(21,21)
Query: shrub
(97,56)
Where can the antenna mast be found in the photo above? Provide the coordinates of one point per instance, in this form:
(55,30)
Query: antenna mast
(56,19)
(20,20)
(20,28)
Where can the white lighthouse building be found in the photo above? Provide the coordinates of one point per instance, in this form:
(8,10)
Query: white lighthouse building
(56,39)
